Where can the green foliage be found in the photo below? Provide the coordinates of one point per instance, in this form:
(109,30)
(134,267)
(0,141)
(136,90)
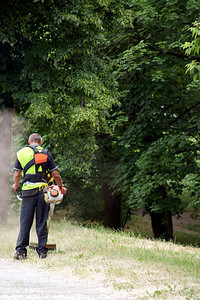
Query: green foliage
(193,48)
(192,185)
(55,76)
(161,169)
(59,65)
(86,201)
(158,140)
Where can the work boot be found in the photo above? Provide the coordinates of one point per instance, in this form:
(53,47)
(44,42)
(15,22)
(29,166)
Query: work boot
(42,255)
(19,256)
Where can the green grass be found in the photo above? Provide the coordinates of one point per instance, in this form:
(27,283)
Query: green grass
(192,227)
(141,268)
(141,227)
(185,238)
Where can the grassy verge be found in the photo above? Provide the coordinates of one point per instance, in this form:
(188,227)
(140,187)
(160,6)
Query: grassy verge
(141,227)
(137,267)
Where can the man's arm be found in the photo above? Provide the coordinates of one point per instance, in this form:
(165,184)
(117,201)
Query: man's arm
(58,181)
(17,176)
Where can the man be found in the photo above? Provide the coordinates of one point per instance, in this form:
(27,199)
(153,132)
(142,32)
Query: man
(34,162)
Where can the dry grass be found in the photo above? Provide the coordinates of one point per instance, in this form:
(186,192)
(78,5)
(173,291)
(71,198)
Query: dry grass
(145,269)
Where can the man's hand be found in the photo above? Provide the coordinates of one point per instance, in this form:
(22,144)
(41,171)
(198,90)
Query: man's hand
(58,181)
(15,186)
(63,190)
(16,180)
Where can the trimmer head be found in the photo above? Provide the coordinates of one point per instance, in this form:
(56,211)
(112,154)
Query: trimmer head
(48,246)
(52,194)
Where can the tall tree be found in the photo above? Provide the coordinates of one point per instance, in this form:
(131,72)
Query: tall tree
(159,115)
(52,73)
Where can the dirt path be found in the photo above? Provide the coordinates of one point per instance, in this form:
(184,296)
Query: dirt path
(21,281)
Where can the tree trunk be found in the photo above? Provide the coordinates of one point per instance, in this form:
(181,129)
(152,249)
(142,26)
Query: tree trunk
(162,222)
(162,225)
(5,153)
(112,204)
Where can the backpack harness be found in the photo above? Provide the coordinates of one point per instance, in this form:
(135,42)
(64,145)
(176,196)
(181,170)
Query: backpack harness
(39,160)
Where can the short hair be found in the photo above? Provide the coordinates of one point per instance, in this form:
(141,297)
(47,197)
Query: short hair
(35,137)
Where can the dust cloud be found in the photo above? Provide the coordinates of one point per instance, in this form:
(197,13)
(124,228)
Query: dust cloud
(7,156)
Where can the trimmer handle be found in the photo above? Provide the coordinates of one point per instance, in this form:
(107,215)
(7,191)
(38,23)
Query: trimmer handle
(18,195)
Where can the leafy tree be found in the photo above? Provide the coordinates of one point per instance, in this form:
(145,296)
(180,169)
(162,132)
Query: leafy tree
(158,138)
(192,50)
(53,75)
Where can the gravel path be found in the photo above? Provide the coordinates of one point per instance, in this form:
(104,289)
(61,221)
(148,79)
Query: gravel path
(20,281)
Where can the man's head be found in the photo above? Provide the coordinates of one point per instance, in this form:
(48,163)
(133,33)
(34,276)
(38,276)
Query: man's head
(35,138)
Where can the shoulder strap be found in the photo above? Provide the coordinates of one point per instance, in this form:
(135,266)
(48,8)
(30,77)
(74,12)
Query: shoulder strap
(32,161)
(35,149)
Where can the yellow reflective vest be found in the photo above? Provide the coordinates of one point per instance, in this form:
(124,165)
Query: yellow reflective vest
(25,155)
